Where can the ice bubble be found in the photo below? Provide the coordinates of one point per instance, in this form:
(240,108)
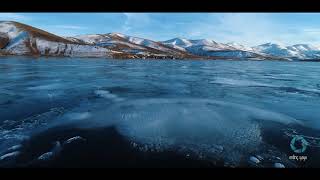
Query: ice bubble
(46,156)
(53,153)
(254,160)
(15,147)
(74,139)
(278,165)
(9,155)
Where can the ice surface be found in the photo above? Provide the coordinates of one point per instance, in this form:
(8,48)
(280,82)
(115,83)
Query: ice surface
(239,82)
(172,123)
(216,109)
(46,87)
(12,133)
(79,116)
(15,147)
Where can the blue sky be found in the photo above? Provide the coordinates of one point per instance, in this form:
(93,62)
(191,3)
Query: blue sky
(245,28)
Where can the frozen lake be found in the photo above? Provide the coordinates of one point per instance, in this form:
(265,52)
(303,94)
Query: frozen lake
(236,112)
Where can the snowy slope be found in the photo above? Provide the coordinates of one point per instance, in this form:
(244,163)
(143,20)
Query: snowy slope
(205,43)
(298,51)
(239,46)
(275,49)
(178,43)
(4,40)
(132,45)
(150,44)
(16,37)
(210,48)
(305,50)
(27,40)
(106,40)
(205,47)
(73,50)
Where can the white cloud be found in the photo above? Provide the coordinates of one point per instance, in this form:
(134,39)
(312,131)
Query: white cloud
(13,17)
(245,28)
(251,29)
(64,29)
(311,30)
(135,21)
(70,27)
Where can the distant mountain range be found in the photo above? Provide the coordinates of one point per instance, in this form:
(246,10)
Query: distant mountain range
(21,39)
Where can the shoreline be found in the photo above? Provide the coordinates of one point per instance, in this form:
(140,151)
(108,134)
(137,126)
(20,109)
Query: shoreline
(150,59)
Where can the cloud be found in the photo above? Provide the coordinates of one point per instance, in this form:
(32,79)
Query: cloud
(14,17)
(251,29)
(64,30)
(311,31)
(135,21)
(70,27)
(245,28)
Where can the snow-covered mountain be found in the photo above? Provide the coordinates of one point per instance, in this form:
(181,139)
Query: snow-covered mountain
(204,47)
(134,46)
(178,43)
(210,48)
(21,39)
(205,44)
(298,51)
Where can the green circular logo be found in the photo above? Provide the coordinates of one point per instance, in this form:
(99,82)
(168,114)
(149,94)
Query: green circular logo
(298,144)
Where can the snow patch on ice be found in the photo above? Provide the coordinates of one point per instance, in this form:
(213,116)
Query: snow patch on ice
(107,95)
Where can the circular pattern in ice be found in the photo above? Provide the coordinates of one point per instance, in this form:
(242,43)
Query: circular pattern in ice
(197,125)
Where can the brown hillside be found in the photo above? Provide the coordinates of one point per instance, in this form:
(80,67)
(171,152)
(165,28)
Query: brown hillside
(4,40)
(35,32)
